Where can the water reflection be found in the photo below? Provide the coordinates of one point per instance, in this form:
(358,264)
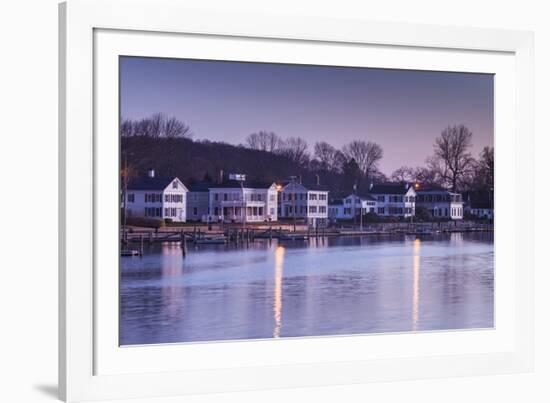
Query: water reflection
(278,294)
(328,286)
(416,283)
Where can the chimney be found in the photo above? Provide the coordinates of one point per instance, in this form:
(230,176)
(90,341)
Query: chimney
(371,185)
(151,173)
(300,179)
(220,176)
(318,179)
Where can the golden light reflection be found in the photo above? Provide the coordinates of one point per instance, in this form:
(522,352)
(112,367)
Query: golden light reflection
(278,294)
(416,284)
(171,267)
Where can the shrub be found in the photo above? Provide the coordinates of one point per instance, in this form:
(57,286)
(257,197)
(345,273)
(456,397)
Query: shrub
(371,217)
(422,214)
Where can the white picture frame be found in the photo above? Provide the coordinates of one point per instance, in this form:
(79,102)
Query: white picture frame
(91,366)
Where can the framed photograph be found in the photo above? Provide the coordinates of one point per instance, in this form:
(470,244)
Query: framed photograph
(256,201)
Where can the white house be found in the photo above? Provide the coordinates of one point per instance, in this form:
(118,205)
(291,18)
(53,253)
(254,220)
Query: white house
(440,202)
(237,199)
(394,199)
(355,204)
(162,198)
(308,202)
(198,201)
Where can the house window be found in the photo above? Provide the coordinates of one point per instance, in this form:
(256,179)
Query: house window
(167,198)
(195,211)
(381,199)
(322,209)
(272,198)
(322,196)
(131,197)
(313,209)
(381,209)
(216,196)
(225,196)
(173,211)
(271,211)
(175,185)
(167,212)
(313,196)
(216,210)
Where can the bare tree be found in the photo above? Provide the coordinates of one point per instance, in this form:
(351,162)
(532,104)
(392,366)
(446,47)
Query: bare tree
(295,148)
(339,161)
(403,174)
(155,126)
(452,160)
(174,128)
(366,154)
(126,128)
(426,175)
(263,141)
(329,157)
(377,176)
(483,175)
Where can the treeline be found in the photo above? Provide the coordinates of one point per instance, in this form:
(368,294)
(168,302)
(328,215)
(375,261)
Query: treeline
(166,144)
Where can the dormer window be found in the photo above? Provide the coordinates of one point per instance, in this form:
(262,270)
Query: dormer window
(175,185)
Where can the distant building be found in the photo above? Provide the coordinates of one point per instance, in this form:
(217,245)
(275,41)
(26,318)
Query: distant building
(162,198)
(238,199)
(308,202)
(356,204)
(479,204)
(351,206)
(440,202)
(198,201)
(394,199)
(335,210)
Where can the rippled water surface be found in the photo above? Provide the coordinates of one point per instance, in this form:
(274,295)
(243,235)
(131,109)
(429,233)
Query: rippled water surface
(325,286)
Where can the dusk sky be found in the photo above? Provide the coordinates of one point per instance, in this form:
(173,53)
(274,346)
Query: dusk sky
(403,111)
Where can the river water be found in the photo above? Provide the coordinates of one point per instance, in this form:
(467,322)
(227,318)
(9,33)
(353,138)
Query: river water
(324,286)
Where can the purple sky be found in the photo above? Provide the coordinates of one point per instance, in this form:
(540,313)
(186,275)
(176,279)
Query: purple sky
(403,111)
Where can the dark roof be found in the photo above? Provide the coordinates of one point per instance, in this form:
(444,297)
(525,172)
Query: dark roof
(200,186)
(336,202)
(367,197)
(232,183)
(429,188)
(432,190)
(147,183)
(307,186)
(364,196)
(316,187)
(390,188)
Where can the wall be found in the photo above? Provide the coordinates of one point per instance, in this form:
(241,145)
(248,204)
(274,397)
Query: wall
(28,290)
